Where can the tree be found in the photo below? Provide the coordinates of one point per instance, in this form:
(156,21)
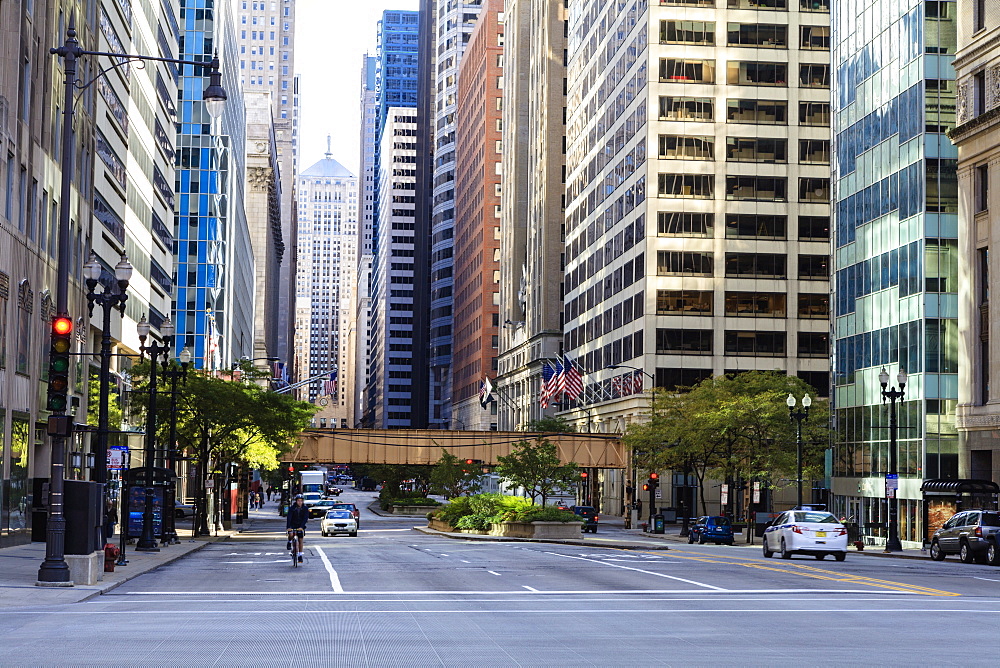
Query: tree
(452,477)
(733,428)
(536,468)
(551,424)
(93,405)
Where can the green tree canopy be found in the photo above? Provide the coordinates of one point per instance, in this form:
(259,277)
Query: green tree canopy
(452,477)
(551,424)
(536,468)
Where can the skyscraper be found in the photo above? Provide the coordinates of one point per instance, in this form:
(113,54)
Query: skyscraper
(711,255)
(213,302)
(366,226)
(895,207)
(266,39)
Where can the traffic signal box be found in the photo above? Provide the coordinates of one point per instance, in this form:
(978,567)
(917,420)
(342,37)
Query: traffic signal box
(62,332)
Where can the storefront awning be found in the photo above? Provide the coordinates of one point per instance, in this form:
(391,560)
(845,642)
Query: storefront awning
(966,486)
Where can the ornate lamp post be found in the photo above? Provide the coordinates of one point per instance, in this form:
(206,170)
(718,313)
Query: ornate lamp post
(893,395)
(798,417)
(147,542)
(170,451)
(108,301)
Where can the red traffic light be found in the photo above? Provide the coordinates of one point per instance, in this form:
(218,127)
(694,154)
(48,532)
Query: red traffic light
(62,326)
(645,487)
(470,461)
(654,476)
(583,474)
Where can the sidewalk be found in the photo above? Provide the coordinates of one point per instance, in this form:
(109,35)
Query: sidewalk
(19,569)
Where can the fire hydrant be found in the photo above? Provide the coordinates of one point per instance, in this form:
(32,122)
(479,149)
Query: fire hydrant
(111,553)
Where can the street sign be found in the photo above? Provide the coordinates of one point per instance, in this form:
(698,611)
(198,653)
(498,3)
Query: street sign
(724,495)
(756,492)
(659,493)
(891,485)
(116,457)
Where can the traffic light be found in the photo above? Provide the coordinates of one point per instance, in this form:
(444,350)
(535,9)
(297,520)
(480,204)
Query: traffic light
(62,332)
(653,483)
(645,486)
(583,475)
(654,476)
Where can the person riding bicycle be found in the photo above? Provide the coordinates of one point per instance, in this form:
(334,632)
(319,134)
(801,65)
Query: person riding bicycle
(295,523)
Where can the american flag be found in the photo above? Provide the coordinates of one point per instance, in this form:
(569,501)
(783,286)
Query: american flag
(330,385)
(638,378)
(570,381)
(617,388)
(550,376)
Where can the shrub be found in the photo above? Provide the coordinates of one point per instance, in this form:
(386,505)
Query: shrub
(546,514)
(411,501)
(477,522)
(455,510)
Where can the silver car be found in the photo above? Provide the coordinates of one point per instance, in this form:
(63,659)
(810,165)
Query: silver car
(974,535)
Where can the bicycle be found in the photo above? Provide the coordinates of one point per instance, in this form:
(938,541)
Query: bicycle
(295,538)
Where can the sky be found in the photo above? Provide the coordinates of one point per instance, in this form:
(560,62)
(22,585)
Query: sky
(331,36)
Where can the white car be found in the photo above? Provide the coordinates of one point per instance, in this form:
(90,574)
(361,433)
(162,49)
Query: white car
(309,498)
(812,532)
(339,521)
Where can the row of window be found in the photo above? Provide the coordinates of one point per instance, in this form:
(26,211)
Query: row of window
(742,73)
(771,36)
(745,265)
(763,188)
(755,343)
(741,304)
(740,226)
(770,5)
(742,149)
(757,112)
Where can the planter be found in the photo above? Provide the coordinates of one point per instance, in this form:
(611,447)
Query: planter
(537,530)
(412,510)
(440,525)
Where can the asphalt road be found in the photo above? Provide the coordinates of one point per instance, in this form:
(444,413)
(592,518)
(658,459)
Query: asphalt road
(393,596)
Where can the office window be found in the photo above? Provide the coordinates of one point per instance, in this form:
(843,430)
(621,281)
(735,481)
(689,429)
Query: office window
(816,151)
(941,265)
(756,149)
(757,344)
(687,32)
(814,306)
(687,71)
(755,226)
(978,15)
(677,224)
(814,76)
(683,263)
(675,379)
(758,4)
(756,265)
(757,74)
(4,296)
(684,341)
(814,113)
(697,186)
(814,190)
(758,34)
(814,344)
(979,93)
(815,37)
(765,188)
(814,6)
(689,3)
(755,304)
(759,112)
(814,228)
(982,188)
(686,108)
(814,267)
(681,302)
(680,147)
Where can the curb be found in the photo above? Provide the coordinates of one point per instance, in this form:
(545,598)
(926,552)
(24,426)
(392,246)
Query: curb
(557,541)
(377,510)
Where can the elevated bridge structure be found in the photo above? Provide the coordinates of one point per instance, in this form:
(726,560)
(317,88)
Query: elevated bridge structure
(423,446)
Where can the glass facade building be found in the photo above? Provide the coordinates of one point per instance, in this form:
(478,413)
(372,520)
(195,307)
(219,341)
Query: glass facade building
(895,220)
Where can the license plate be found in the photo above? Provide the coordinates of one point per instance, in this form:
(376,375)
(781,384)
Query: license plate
(821,534)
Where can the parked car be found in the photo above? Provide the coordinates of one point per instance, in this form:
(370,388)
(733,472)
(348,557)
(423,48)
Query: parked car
(805,532)
(338,521)
(339,505)
(711,528)
(974,535)
(320,508)
(182,510)
(589,515)
(561,505)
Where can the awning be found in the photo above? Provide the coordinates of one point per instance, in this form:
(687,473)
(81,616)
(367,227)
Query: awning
(955,487)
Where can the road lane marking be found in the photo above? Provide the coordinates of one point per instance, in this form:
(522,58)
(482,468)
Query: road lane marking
(563,592)
(639,570)
(987,579)
(530,588)
(334,578)
(464,561)
(493,572)
(554,611)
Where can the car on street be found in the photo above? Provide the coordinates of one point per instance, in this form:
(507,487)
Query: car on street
(338,521)
(974,535)
(589,515)
(343,505)
(321,507)
(311,498)
(334,491)
(182,510)
(711,528)
(814,532)
(561,505)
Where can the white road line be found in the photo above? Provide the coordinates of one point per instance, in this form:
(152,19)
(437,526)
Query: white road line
(334,579)
(556,611)
(563,592)
(444,555)
(530,588)
(987,579)
(493,572)
(639,570)
(464,561)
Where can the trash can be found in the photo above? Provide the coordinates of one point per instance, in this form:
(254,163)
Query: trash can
(657,523)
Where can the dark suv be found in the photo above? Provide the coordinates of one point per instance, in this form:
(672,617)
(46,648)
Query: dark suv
(589,515)
(974,535)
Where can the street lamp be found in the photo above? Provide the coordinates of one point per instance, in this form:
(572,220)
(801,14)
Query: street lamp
(798,417)
(170,452)
(147,542)
(108,301)
(54,571)
(892,543)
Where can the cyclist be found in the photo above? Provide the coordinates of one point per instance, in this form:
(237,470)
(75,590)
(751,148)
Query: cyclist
(295,523)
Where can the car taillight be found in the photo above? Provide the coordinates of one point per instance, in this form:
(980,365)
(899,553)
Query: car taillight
(797,529)
(596,518)
(979,531)
(842,531)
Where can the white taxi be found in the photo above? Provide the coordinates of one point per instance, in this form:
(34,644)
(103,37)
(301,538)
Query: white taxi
(338,521)
(806,532)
